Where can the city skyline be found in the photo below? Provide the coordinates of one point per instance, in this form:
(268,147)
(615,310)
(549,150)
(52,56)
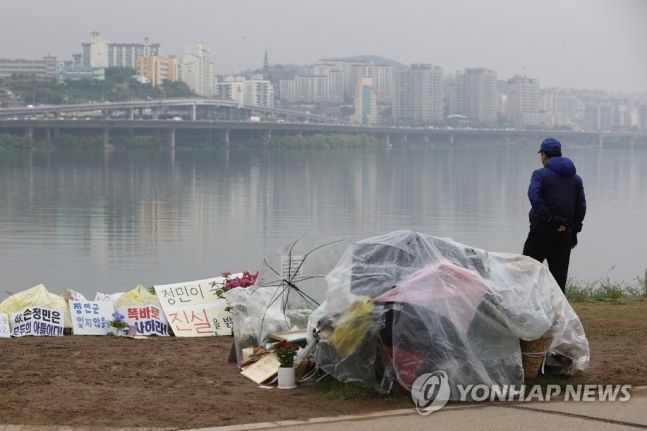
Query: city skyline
(594,45)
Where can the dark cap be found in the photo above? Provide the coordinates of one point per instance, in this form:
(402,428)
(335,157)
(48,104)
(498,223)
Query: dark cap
(550,146)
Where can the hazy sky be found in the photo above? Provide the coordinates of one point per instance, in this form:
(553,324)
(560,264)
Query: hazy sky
(588,44)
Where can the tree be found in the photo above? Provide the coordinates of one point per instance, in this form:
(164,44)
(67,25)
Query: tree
(176,89)
(119,74)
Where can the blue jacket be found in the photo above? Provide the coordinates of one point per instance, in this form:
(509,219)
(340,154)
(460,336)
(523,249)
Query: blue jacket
(556,193)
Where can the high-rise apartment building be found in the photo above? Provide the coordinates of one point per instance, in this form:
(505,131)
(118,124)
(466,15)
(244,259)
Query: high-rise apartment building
(418,94)
(382,77)
(158,69)
(99,53)
(333,90)
(197,71)
(346,69)
(598,116)
(322,83)
(252,92)
(259,92)
(562,108)
(453,87)
(310,89)
(365,103)
(330,81)
(622,115)
(402,92)
(480,95)
(523,101)
(591,120)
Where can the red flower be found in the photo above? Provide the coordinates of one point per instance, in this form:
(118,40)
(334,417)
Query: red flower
(245,280)
(283,344)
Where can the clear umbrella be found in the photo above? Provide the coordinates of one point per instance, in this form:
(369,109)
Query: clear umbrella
(290,285)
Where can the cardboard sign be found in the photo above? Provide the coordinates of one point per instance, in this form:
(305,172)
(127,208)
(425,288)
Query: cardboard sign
(37,321)
(193,308)
(290,336)
(147,319)
(90,317)
(263,369)
(5,330)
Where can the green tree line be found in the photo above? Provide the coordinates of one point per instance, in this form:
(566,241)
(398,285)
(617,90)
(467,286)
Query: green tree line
(119,85)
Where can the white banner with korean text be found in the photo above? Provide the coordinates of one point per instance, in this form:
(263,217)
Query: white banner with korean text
(90,317)
(193,308)
(147,319)
(37,321)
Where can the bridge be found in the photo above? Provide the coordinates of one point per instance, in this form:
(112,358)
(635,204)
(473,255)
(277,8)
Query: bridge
(221,132)
(187,109)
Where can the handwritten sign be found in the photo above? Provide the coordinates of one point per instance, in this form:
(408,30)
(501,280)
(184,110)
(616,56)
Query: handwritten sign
(90,317)
(147,319)
(291,266)
(37,321)
(263,369)
(193,308)
(5,330)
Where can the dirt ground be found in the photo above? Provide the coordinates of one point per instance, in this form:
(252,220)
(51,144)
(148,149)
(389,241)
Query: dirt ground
(187,383)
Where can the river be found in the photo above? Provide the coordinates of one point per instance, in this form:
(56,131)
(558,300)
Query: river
(106,221)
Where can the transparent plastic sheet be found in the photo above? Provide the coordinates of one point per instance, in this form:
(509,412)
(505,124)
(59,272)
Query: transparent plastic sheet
(440,305)
(290,285)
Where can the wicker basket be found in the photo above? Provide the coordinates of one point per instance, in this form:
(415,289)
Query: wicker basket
(533,354)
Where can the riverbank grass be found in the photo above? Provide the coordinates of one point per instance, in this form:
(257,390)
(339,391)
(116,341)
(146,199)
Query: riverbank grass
(606,290)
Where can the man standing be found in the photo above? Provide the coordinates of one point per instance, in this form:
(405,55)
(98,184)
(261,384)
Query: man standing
(556,195)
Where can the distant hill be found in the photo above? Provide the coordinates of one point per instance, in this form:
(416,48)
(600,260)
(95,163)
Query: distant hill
(274,69)
(375,59)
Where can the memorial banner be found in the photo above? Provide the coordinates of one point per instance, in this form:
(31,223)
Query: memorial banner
(37,321)
(147,319)
(90,317)
(193,308)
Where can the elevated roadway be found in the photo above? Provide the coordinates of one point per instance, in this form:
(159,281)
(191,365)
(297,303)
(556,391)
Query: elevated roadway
(45,128)
(157,107)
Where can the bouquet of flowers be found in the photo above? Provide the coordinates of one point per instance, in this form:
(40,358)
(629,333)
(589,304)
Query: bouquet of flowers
(246,280)
(286,352)
(117,323)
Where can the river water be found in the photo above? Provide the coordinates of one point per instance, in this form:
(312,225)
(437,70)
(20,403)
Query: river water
(106,221)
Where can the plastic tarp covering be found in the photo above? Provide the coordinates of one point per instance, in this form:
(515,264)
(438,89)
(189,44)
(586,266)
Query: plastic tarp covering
(403,304)
(36,296)
(138,296)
